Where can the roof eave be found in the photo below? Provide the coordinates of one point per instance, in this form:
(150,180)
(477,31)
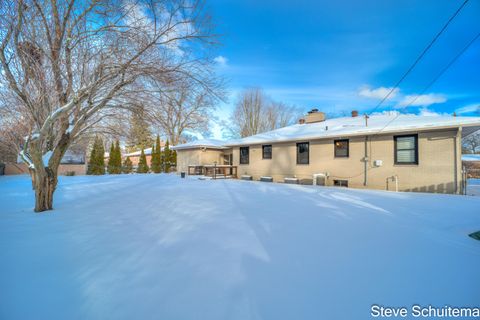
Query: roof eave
(200,147)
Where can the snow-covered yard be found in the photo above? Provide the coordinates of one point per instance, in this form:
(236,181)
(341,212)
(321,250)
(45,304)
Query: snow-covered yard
(161,247)
(473,187)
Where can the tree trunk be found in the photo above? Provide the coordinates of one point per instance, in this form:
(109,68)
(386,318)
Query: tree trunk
(45,185)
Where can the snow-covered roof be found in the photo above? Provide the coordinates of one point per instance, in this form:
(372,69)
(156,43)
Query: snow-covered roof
(354,126)
(68,158)
(73,158)
(147,152)
(202,143)
(470,157)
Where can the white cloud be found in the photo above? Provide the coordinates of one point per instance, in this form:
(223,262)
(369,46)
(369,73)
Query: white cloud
(471,108)
(423,100)
(428,112)
(378,93)
(386,113)
(221,61)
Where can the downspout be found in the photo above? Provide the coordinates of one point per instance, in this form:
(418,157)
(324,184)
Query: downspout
(458,140)
(365,161)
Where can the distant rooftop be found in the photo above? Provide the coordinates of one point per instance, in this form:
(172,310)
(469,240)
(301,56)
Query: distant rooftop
(147,152)
(69,157)
(202,143)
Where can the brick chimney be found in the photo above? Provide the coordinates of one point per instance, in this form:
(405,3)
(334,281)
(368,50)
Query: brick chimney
(314,116)
(354,113)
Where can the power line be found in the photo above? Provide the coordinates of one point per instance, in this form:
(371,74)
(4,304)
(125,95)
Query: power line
(420,56)
(439,75)
(444,69)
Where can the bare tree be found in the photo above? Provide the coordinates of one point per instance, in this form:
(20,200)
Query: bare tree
(71,64)
(472,142)
(13,128)
(255,113)
(184,108)
(279,115)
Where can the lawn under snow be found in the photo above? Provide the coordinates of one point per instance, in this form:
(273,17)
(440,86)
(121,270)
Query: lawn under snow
(161,247)
(473,187)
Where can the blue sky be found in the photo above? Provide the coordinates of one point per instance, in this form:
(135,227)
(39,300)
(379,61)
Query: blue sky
(341,55)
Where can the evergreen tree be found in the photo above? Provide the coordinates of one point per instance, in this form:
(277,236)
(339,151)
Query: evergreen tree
(139,135)
(127,166)
(167,157)
(96,164)
(156,157)
(91,159)
(153,155)
(174,159)
(100,157)
(142,164)
(111,160)
(117,158)
(161,159)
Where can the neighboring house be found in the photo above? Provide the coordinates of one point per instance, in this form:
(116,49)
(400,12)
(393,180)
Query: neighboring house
(201,152)
(72,163)
(385,151)
(471,163)
(135,156)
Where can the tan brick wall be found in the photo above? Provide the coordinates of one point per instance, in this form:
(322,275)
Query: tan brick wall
(136,159)
(436,171)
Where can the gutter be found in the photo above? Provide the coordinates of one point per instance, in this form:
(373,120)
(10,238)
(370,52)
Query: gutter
(457,143)
(200,147)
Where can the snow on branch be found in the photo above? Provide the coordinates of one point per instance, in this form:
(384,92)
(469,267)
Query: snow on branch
(62,111)
(25,156)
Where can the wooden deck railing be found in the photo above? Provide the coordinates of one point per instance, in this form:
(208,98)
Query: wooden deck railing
(214,171)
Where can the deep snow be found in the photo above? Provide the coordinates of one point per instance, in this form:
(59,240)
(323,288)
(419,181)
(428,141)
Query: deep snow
(161,247)
(473,187)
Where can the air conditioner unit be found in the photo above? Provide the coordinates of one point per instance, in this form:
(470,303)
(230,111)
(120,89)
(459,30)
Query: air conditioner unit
(319,179)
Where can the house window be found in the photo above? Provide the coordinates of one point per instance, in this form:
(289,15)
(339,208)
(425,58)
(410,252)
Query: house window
(227,159)
(340,183)
(244,155)
(267,151)
(341,148)
(406,149)
(303,153)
